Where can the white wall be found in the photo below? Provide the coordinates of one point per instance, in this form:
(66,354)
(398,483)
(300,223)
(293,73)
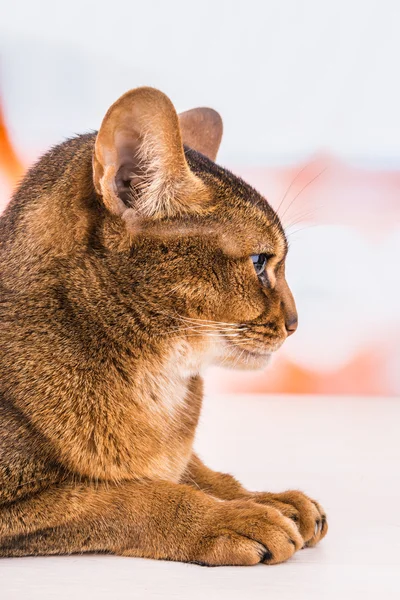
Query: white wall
(288,76)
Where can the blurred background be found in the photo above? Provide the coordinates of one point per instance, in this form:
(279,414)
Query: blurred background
(310,96)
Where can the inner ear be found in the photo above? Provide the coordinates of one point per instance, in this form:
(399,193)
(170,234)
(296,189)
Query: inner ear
(202,130)
(128,179)
(139,162)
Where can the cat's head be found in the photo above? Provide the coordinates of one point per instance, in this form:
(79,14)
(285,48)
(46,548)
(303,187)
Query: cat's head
(206,251)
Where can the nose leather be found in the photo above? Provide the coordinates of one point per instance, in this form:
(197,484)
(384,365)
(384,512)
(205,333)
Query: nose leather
(291,324)
(287,304)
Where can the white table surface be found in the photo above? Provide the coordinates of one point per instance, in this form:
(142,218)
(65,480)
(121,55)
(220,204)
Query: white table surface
(345,452)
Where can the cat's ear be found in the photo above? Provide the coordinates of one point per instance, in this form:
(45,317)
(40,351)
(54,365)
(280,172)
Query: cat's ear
(202,130)
(139,163)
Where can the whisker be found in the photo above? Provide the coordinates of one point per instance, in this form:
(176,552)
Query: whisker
(302,190)
(190,320)
(290,187)
(300,217)
(302,229)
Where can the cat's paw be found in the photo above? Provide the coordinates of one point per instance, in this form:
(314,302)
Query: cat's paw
(308,515)
(246,533)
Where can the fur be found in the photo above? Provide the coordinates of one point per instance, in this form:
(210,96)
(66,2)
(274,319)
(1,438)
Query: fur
(115,295)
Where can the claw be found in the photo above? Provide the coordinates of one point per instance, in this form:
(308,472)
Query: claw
(316,530)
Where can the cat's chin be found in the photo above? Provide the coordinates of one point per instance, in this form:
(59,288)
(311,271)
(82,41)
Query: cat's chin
(244,360)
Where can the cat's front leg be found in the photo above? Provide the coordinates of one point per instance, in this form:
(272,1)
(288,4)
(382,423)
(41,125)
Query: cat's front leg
(152,519)
(308,515)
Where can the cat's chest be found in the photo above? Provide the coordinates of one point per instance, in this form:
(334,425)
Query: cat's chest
(165,387)
(164,394)
(164,412)
(144,427)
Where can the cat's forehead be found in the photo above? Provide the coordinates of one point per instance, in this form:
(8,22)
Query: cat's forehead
(250,229)
(246,221)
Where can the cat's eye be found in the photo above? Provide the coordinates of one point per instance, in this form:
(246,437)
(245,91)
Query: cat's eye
(259,263)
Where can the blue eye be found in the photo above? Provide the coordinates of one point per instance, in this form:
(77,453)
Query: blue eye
(259,263)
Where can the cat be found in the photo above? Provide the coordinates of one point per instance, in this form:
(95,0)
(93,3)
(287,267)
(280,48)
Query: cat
(129,262)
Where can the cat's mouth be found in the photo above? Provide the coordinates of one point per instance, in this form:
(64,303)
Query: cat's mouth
(253,348)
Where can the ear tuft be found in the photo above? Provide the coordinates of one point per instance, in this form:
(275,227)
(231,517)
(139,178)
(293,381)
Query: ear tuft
(139,162)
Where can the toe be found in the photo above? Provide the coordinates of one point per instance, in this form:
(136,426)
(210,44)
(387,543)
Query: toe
(312,519)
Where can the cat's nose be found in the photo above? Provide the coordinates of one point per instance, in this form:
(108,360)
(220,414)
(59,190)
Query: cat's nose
(291,324)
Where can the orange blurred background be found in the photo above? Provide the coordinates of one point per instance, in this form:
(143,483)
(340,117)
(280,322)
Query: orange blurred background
(311,118)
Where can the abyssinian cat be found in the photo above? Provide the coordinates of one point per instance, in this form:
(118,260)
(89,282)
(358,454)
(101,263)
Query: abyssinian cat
(130,261)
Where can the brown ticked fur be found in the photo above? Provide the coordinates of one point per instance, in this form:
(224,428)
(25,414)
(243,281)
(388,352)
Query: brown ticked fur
(125,270)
